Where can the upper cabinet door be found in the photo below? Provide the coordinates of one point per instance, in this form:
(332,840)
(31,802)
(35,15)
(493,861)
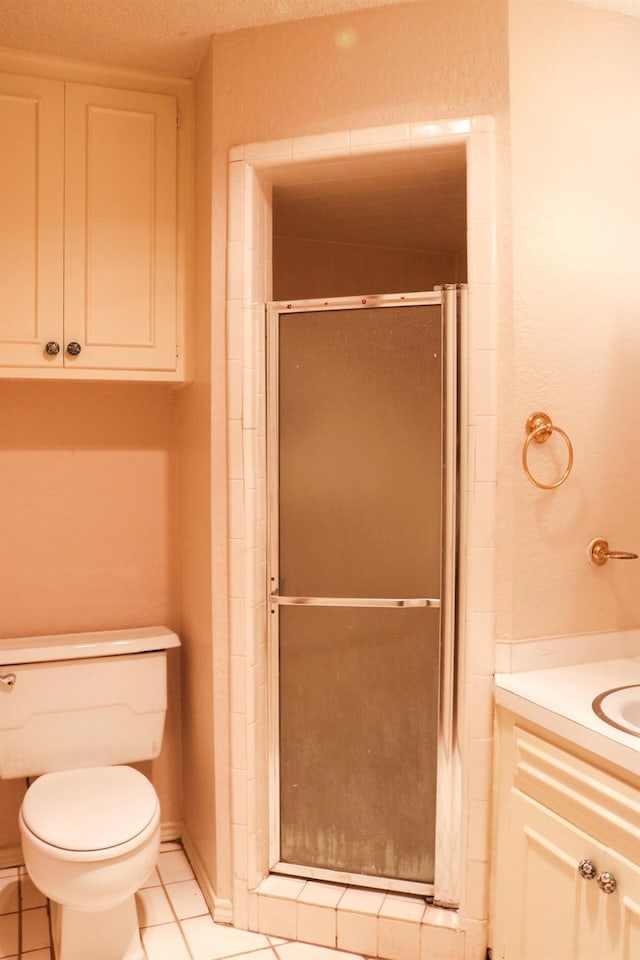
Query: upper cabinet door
(31,212)
(120,229)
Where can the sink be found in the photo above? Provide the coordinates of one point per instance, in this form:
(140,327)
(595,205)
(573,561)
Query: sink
(620,708)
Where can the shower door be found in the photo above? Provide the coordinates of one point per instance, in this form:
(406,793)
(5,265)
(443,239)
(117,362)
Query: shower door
(362,542)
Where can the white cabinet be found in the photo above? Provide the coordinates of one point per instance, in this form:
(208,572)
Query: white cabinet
(556,810)
(88,231)
(31,217)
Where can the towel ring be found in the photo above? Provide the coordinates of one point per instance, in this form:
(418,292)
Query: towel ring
(539,427)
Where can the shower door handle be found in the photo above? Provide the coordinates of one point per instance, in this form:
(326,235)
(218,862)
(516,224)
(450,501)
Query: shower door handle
(276,600)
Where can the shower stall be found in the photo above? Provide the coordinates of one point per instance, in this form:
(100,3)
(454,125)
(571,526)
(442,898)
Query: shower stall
(363,399)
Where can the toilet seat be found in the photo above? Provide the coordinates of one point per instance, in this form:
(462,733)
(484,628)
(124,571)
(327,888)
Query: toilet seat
(91,809)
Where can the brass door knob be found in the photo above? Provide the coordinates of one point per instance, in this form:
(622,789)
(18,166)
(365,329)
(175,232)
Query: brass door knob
(73,348)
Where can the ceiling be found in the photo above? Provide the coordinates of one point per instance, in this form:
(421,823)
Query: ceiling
(160,36)
(409,201)
(166,36)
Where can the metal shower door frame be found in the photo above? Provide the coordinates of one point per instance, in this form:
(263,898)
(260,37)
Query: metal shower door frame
(446,886)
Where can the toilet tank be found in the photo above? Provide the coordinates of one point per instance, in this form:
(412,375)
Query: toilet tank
(83,699)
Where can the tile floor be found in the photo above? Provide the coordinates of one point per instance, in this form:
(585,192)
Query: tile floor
(174,921)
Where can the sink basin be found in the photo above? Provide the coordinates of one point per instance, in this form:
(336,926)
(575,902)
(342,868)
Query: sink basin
(620,707)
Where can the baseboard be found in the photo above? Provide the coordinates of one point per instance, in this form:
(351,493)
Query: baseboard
(171,830)
(221,909)
(11,857)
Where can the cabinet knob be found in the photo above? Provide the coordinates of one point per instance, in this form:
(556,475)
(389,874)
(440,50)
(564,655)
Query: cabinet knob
(52,348)
(73,348)
(607,882)
(587,869)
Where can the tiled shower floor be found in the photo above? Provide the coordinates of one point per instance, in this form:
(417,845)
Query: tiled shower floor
(174,920)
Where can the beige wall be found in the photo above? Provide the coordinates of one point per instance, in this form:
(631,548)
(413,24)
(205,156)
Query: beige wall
(575,137)
(306,269)
(88,513)
(194,409)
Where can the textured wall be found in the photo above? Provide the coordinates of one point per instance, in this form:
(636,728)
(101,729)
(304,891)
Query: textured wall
(161,36)
(88,496)
(575,135)
(194,411)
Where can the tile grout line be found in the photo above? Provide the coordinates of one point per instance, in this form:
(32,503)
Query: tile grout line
(169,901)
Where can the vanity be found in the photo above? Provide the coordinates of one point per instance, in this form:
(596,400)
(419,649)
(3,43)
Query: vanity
(566,882)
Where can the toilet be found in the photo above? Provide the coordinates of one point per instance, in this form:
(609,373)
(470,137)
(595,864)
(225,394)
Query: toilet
(75,710)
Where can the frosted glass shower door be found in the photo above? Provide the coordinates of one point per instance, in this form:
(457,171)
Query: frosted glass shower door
(358,516)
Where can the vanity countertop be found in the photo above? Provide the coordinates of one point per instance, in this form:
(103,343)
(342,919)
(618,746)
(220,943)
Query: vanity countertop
(560,698)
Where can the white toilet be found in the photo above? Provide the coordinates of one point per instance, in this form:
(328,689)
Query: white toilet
(74,709)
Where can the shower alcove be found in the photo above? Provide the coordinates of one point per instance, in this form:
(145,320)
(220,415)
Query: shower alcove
(384,185)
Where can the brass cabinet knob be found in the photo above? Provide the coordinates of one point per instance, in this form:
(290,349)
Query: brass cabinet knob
(607,882)
(52,348)
(73,348)
(587,869)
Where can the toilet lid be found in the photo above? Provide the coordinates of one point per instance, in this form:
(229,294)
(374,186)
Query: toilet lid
(89,809)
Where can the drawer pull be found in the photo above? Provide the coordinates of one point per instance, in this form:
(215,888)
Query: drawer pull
(587,869)
(607,882)
(52,348)
(73,348)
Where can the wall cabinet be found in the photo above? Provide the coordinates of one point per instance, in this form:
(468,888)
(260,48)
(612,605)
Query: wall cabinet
(88,231)
(564,830)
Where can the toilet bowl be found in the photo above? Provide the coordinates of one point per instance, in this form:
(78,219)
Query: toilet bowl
(90,839)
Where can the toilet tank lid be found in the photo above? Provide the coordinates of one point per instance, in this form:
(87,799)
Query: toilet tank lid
(82,646)
(94,808)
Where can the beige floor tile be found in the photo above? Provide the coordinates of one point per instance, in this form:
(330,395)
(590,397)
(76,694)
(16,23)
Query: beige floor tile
(9,935)
(35,929)
(174,866)
(169,845)
(304,951)
(9,895)
(164,942)
(186,899)
(213,941)
(153,907)
(30,896)
(153,880)
(265,954)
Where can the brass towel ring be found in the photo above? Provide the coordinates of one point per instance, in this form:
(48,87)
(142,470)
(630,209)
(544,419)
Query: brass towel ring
(539,428)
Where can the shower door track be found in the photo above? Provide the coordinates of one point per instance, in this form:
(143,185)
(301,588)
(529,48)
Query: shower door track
(445,890)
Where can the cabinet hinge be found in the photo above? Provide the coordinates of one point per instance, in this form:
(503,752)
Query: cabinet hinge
(178,349)
(178,119)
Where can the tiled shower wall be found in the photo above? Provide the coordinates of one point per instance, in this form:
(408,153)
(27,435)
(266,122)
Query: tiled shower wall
(249,269)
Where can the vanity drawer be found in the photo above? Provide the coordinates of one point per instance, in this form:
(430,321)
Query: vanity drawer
(602,805)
